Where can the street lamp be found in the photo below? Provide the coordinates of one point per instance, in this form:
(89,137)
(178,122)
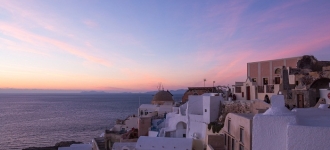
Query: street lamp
(204,82)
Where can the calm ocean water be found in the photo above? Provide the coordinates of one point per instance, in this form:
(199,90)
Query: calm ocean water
(44,119)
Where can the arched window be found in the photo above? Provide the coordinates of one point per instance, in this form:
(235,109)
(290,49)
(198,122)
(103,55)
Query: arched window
(278,71)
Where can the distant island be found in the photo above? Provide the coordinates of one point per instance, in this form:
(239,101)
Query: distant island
(93,92)
(179,91)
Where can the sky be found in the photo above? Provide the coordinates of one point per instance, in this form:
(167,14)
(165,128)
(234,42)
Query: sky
(132,46)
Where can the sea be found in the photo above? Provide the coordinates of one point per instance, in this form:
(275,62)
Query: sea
(38,120)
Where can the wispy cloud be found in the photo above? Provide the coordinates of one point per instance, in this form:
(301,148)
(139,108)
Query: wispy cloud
(35,39)
(214,43)
(265,36)
(90,23)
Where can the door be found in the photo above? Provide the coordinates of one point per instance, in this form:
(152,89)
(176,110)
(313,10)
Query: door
(248,93)
(300,100)
(277,80)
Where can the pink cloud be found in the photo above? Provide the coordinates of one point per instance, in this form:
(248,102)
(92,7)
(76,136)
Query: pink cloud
(35,39)
(229,14)
(90,23)
(24,13)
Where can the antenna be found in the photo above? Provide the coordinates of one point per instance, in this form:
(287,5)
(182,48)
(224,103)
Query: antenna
(159,86)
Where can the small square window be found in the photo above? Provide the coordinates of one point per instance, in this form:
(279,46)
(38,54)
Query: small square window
(225,139)
(205,110)
(228,126)
(238,89)
(265,81)
(277,80)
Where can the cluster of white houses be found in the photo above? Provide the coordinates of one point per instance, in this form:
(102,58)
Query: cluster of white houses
(297,118)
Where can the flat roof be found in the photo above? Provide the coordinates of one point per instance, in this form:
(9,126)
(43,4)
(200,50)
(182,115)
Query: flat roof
(200,88)
(275,59)
(148,106)
(312,116)
(163,143)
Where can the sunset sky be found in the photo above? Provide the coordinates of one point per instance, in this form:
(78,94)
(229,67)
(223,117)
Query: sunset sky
(132,46)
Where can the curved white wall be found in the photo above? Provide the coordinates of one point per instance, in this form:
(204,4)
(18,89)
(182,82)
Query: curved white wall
(324,94)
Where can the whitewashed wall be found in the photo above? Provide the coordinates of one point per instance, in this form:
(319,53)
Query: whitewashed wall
(270,132)
(195,104)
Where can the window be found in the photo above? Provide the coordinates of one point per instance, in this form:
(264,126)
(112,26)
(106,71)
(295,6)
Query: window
(261,89)
(241,147)
(167,134)
(228,126)
(238,89)
(232,144)
(254,79)
(146,113)
(242,94)
(278,71)
(265,81)
(184,135)
(225,139)
(270,89)
(277,80)
(241,134)
(205,110)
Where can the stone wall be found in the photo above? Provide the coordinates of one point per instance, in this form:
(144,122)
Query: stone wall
(240,106)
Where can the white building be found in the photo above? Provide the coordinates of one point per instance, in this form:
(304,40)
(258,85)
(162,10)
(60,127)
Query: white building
(161,103)
(162,143)
(325,93)
(191,119)
(152,110)
(299,129)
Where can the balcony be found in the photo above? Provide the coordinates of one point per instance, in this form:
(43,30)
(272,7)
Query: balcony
(269,88)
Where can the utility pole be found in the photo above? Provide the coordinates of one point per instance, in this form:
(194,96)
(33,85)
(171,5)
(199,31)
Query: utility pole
(213,86)
(204,82)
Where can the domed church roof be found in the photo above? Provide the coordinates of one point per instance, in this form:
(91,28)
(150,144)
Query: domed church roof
(162,96)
